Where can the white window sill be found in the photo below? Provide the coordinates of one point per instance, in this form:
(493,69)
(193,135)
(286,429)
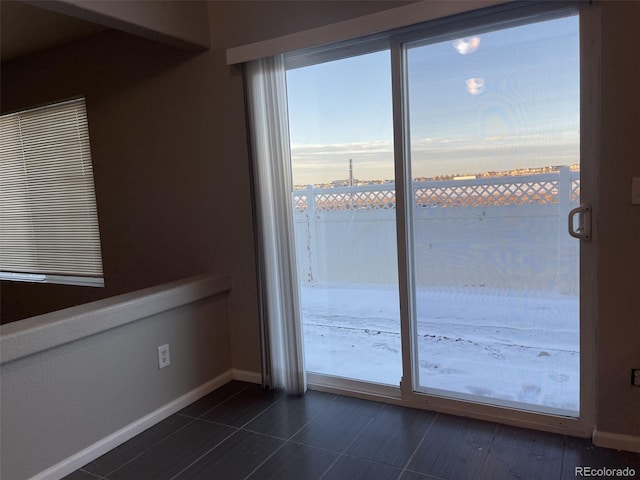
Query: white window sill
(58,279)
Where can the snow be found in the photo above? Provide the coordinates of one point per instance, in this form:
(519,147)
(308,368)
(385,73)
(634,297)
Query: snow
(505,345)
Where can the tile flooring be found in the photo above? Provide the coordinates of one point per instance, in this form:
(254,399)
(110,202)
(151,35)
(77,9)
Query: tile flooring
(242,432)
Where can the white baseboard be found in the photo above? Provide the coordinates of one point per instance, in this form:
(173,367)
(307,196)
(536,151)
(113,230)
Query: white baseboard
(110,442)
(246,376)
(629,443)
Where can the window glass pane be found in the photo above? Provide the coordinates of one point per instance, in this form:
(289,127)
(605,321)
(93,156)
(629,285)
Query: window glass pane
(495,163)
(340,116)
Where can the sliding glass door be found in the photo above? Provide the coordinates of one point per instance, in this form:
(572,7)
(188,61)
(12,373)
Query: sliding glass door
(494,126)
(489,166)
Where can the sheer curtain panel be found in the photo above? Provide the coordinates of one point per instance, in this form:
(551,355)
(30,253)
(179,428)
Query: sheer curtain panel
(267,101)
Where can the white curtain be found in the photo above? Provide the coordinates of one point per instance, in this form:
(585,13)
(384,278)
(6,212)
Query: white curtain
(271,161)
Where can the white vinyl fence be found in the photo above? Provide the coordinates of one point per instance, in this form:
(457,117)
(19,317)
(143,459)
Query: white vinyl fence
(496,232)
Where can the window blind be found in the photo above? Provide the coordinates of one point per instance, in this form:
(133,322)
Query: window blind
(48,216)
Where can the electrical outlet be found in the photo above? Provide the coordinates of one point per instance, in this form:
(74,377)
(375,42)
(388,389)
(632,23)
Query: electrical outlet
(635,377)
(163,356)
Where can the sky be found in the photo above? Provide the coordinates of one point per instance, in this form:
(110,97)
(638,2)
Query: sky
(487,102)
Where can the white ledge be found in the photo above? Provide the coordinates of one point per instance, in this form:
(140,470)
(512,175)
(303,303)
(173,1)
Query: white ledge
(36,334)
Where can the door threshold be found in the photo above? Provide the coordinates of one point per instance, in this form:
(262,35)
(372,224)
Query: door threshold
(354,388)
(506,415)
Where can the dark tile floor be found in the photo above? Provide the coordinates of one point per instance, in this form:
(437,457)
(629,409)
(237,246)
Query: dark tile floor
(242,432)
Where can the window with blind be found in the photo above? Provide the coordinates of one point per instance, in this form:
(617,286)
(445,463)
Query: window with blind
(48,217)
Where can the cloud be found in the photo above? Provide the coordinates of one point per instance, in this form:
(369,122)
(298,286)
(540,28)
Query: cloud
(465,46)
(341,149)
(316,163)
(477,155)
(432,156)
(475,86)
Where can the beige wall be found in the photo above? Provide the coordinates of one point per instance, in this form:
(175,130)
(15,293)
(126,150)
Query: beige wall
(178,23)
(170,155)
(618,222)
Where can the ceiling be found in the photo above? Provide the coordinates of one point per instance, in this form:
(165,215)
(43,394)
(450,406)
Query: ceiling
(26,29)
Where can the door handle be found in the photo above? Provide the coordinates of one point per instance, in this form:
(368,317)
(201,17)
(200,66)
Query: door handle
(584,223)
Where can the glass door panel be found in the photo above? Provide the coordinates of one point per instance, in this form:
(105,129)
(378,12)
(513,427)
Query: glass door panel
(494,121)
(340,116)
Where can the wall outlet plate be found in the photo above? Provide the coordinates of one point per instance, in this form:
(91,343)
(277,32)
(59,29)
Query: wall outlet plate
(163,356)
(635,377)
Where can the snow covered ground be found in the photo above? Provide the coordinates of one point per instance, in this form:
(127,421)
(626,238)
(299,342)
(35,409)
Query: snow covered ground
(508,345)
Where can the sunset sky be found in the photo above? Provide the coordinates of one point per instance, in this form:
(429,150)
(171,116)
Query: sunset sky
(487,102)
